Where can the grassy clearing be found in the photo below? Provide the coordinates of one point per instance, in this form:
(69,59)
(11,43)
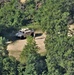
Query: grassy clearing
(15,54)
(34,26)
(20,43)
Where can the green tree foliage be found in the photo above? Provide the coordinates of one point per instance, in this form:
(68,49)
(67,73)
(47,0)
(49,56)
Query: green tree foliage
(31,11)
(3,47)
(9,66)
(28,49)
(60,55)
(2,54)
(35,64)
(54,13)
(10,16)
(53,16)
(20,68)
(1,64)
(59,46)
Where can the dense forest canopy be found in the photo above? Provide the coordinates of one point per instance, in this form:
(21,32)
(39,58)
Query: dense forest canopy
(53,17)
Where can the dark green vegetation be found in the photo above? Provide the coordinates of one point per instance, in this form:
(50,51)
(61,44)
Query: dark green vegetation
(52,16)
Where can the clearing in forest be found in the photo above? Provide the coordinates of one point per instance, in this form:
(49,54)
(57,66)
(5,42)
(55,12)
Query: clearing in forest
(16,47)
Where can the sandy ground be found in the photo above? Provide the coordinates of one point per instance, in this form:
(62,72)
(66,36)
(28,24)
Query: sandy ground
(22,1)
(16,47)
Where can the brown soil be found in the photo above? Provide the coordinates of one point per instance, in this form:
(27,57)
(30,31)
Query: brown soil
(22,1)
(16,47)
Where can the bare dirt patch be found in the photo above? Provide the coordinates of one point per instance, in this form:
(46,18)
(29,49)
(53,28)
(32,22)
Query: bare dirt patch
(22,1)
(16,47)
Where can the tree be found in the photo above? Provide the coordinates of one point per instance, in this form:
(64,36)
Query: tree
(35,64)
(28,49)
(10,16)
(60,55)
(58,44)
(54,13)
(21,68)
(9,66)
(1,65)
(3,53)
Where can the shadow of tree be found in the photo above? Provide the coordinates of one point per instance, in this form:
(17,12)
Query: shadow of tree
(38,34)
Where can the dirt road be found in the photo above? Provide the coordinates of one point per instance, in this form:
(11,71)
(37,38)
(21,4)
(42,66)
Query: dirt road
(16,47)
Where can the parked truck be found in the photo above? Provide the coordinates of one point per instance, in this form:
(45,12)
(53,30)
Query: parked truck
(23,33)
